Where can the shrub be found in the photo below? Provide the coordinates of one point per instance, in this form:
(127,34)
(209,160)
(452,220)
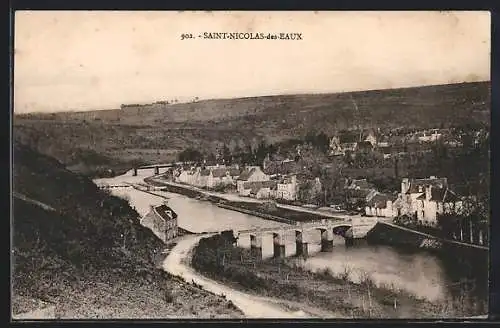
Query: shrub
(346,273)
(366,279)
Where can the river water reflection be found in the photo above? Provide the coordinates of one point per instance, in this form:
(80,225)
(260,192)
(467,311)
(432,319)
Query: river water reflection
(420,273)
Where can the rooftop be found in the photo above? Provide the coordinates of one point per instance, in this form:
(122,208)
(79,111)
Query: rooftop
(379,200)
(166,212)
(418,185)
(246,174)
(360,184)
(255,186)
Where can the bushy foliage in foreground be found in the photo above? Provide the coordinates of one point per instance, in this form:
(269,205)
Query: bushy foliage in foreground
(90,232)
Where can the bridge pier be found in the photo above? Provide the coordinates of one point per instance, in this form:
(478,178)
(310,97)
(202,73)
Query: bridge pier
(356,241)
(300,245)
(256,247)
(279,246)
(326,239)
(157,170)
(135,172)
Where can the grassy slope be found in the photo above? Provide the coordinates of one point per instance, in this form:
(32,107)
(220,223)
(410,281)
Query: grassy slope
(77,259)
(138,133)
(428,104)
(337,294)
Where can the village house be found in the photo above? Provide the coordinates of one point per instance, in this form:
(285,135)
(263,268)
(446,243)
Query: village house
(317,187)
(353,142)
(411,189)
(383,144)
(280,166)
(261,189)
(381,205)
(208,177)
(429,136)
(344,142)
(222,176)
(435,201)
(364,147)
(250,174)
(202,177)
(287,188)
(358,184)
(385,150)
(309,190)
(335,148)
(162,221)
(371,138)
(425,199)
(189,176)
(359,192)
(349,147)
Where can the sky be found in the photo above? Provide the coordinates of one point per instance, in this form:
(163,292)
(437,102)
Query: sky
(87,60)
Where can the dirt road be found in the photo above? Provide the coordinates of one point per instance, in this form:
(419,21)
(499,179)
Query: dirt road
(253,306)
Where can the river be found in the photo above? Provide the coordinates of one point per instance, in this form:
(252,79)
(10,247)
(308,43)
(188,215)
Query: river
(421,273)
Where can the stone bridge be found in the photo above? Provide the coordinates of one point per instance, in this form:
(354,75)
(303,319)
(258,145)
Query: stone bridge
(350,229)
(107,186)
(139,186)
(155,167)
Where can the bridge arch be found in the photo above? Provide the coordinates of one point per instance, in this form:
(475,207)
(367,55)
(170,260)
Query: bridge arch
(328,230)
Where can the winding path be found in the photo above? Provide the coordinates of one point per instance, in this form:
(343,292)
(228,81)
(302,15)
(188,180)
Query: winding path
(251,305)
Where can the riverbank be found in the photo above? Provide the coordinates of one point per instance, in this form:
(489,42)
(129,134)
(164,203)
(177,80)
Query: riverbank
(385,233)
(178,261)
(80,253)
(466,263)
(290,281)
(266,210)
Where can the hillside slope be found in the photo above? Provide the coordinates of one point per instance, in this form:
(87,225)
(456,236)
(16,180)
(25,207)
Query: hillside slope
(153,133)
(90,257)
(455,102)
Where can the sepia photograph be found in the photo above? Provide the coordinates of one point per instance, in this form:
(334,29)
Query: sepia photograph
(179,165)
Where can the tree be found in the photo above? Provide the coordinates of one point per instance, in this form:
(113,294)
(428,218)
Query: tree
(332,182)
(190,155)
(261,152)
(322,142)
(304,192)
(211,158)
(237,154)
(386,183)
(226,154)
(310,138)
(247,156)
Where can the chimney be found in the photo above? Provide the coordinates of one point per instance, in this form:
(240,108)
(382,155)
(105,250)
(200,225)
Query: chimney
(428,192)
(396,171)
(405,185)
(151,208)
(266,160)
